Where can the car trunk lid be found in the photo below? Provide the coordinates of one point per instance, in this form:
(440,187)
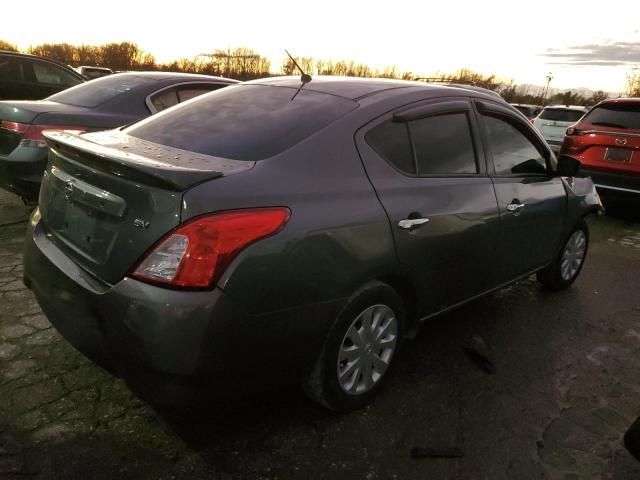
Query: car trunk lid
(16,116)
(106,197)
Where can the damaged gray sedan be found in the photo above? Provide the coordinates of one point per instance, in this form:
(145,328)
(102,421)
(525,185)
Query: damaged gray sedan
(287,231)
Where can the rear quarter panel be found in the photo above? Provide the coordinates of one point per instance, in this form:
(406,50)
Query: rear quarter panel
(338,236)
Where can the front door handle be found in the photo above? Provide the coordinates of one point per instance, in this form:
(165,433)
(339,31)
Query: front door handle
(411,223)
(515,206)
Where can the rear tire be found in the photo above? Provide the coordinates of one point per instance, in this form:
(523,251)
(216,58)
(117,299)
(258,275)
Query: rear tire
(359,349)
(566,267)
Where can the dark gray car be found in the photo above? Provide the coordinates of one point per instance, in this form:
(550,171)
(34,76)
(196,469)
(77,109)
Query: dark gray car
(101,104)
(274,232)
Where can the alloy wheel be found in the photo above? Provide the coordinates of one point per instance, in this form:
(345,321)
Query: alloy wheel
(366,349)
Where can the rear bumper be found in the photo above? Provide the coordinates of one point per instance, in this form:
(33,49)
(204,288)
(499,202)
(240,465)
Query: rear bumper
(624,183)
(172,347)
(21,172)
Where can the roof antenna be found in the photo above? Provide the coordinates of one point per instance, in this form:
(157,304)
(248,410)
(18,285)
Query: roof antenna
(304,77)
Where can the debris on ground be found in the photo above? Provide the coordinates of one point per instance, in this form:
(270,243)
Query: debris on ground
(478,351)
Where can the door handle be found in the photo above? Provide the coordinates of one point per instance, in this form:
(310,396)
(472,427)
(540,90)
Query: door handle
(515,206)
(411,223)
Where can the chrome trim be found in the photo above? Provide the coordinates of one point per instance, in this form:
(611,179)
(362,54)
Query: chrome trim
(80,191)
(410,223)
(602,132)
(152,108)
(620,189)
(515,207)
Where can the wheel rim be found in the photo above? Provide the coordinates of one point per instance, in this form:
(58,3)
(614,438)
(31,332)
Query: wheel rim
(366,349)
(573,255)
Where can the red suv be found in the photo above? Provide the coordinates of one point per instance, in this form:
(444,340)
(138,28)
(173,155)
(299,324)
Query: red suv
(607,143)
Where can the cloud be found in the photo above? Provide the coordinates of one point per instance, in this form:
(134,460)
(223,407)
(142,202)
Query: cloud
(607,55)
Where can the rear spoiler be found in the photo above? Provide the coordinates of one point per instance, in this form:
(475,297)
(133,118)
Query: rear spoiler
(139,160)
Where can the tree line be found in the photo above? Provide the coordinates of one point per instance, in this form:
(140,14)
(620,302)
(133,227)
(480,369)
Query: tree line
(247,64)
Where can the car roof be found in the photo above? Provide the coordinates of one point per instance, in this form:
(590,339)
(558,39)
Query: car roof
(567,107)
(621,100)
(356,88)
(35,57)
(159,76)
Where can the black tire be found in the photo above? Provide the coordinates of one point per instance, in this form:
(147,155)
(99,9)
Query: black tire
(551,276)
(323,384)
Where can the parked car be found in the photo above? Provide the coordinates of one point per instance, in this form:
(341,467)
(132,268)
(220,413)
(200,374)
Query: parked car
(29,77)
(554,120)
(101,104)
(269,232)
(529,111)
(607,143)
(93,72)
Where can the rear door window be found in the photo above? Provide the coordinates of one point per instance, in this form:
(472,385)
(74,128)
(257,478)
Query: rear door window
(10,69)
(434,145)
(52,75)
(617,115)
(391,141)
(443,145)
(244,122)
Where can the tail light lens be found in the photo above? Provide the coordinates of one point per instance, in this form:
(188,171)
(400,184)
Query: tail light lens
(197,253)
(573,131)
(32,134)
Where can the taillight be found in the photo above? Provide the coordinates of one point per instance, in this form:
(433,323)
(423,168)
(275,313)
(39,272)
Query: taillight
(197,253)
(573,131)
(32,134)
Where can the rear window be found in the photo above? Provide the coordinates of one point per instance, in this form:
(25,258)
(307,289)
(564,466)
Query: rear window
(244,122)
(617,115)
(561,115)
(98,91)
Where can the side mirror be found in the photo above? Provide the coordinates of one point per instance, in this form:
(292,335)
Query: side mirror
(567,166)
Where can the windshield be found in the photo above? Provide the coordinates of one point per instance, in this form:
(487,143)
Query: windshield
(617,115)
(96,92)
(244,122)
(561,114)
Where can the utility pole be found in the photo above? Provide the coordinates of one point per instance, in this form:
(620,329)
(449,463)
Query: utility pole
(549,77)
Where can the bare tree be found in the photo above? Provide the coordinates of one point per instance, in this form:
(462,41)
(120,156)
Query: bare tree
(9,47)
(633,83)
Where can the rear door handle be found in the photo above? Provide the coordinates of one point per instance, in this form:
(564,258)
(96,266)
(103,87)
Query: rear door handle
(411,223)
(515,206)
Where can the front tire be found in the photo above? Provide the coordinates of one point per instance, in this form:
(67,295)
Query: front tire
(359,349)
(567,266)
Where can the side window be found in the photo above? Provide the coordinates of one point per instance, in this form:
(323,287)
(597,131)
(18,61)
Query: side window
(513,153)
(53,75)
(443,145)
(165,99)
(391,140)
(10,69)
(188,92)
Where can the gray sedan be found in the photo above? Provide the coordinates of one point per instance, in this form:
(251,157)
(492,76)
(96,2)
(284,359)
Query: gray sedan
(286,230)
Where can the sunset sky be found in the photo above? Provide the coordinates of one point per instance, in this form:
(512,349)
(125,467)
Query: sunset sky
(584,44)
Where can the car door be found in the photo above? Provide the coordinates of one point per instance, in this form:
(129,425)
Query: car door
(532,201)
(426,165)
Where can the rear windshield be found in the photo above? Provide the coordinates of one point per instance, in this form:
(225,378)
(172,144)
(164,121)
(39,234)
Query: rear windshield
(244,122)
(617,115)
(96,92)
(561,114)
